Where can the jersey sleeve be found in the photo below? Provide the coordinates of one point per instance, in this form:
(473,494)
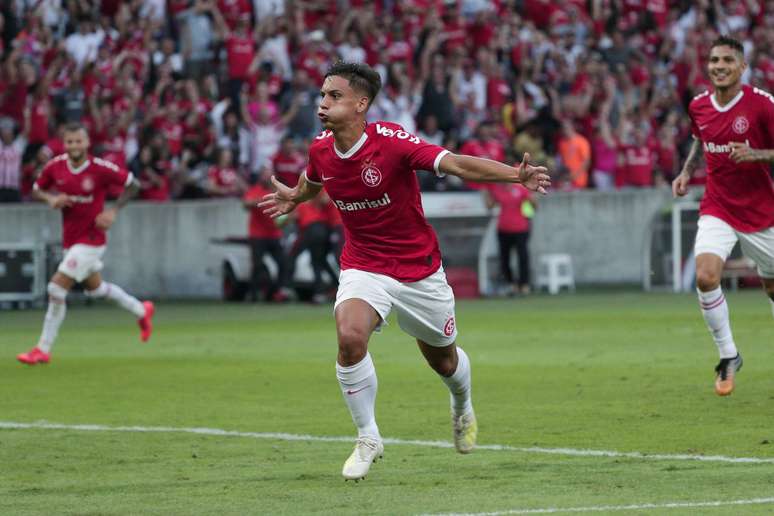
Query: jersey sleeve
(767,116)
(252,195)
(694,127)
(46,177)
(311,173)
(418,154)
(112,174)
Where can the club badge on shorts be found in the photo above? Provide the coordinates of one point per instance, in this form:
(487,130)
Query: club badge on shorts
(448,328)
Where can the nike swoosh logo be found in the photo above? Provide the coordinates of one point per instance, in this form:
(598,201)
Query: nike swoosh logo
(350,392)
(702,127)
(327,178)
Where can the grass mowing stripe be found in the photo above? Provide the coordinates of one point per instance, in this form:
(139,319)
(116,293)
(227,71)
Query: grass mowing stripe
(633,507)
(42,425)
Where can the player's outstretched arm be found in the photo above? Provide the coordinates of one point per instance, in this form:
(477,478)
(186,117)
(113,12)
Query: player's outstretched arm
(471,168)
(105,219)
(285,199)
(680,183)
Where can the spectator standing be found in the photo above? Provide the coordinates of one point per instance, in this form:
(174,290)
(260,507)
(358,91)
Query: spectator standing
(575,154)
(288,164)
(636,161)
(11,150)
(313,220)
(513,226)
(224,179)
(197,37)
(265,238)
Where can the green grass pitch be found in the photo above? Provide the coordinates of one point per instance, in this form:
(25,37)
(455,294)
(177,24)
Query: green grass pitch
(625,372)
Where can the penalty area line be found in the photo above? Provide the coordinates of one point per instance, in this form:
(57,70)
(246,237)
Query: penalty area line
(570,452)
(614,508)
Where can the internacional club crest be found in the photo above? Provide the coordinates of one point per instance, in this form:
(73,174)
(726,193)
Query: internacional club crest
(740,125)
(87,184)
(448,328)
(371,175)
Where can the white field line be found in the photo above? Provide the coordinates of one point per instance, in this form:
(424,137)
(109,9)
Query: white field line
(612,508)
(573,452)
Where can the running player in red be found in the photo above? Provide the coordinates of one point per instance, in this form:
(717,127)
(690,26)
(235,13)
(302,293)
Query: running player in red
(81,182)
(734,126)
(391,258)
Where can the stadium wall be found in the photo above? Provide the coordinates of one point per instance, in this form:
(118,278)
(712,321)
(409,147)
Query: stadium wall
(606,233)
(164,250)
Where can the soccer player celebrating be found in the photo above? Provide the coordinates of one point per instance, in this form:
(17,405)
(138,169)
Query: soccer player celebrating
(391,258)
(734,126)
(82,182)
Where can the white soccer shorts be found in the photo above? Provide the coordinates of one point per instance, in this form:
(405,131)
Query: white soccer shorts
(425,308)
(717,237)
(81,261)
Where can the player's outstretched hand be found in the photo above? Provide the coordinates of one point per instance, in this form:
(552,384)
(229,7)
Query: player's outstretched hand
(280,202)
(742,153)
(533,178)
(60,201)
(105,219)
(680,185)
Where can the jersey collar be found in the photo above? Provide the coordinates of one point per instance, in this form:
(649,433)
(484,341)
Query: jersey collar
(353,150)
(79,169)
(734,102)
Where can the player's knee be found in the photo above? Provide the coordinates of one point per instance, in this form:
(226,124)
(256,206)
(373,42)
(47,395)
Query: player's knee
(443,366)
(100,291)
(56,293)
(353,343)
(707,279)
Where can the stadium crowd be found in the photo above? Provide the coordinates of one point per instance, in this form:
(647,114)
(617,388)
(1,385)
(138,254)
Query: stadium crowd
(199,98)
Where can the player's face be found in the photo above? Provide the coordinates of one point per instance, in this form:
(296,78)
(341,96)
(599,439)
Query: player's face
(76,144)
(725,66)
(339,103)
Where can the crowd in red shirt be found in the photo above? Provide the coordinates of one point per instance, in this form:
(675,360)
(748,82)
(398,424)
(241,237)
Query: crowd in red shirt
(595,89)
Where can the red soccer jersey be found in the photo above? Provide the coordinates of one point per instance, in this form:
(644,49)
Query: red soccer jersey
(741,194)
(173,133)
(288,167)
(154,192)
(333,218)
(510,197)
(86,186)
(260,224)
(310,212)
(39,114)
(488,149)
(240,51)
(636,167)
(225,178)
(376,191)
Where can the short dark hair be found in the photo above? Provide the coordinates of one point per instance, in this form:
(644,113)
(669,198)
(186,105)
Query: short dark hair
(727,41)
(361,77)
(71,127)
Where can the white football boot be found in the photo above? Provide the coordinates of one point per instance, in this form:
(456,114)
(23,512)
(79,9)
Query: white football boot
(465,431)
(367,450)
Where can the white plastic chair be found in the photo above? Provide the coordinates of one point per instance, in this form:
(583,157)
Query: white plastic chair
(555,271)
